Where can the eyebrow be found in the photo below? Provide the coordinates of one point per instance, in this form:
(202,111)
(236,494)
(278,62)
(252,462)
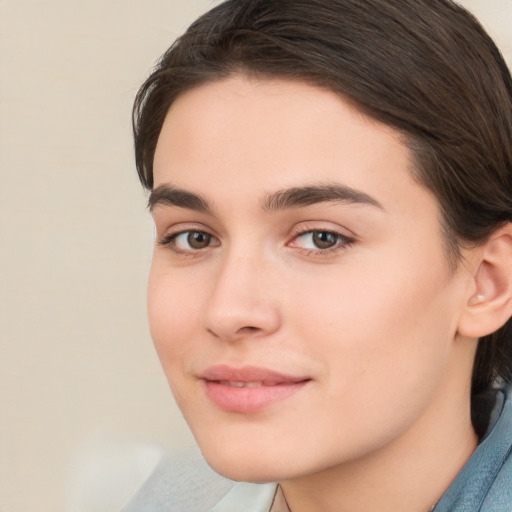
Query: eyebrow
(171,196)
(295,197)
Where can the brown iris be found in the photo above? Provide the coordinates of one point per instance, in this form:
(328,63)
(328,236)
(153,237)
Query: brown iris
(324,239)
(198,239)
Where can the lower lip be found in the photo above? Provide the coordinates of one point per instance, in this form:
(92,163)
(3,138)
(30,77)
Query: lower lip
(251,399)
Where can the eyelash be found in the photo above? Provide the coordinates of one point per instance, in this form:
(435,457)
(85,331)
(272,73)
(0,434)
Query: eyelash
(342,242)
(170,242)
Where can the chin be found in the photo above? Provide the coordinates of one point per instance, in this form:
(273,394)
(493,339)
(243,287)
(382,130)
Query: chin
(242,468)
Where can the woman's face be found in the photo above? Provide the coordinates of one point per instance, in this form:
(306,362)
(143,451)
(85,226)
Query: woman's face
(300,297)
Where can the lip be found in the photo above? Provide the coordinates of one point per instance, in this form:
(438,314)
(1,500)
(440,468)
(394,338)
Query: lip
(249,389)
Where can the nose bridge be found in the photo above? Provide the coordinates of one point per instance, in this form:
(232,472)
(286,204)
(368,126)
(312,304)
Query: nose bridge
(242,299)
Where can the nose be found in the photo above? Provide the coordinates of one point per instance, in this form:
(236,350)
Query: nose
(243,302)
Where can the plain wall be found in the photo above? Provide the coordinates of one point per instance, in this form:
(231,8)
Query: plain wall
(77,367)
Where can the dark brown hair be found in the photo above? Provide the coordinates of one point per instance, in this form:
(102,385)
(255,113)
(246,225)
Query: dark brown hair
(424,67)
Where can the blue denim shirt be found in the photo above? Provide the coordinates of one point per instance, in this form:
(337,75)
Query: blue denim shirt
(485,482)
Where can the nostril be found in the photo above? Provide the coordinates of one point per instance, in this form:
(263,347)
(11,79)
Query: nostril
(242,331)
(248,329)
(235,320)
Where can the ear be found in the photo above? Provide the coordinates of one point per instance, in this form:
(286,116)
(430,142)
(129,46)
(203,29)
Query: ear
(489,304)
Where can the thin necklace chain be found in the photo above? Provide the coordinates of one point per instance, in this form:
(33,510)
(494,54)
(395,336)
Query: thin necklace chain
(290,510)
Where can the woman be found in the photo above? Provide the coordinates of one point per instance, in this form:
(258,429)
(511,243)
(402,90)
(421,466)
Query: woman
(331,287)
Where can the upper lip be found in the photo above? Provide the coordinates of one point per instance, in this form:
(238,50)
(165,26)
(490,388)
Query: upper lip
(249,374)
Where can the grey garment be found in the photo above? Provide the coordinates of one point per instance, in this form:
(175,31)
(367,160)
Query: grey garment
(183,483)
(483,485)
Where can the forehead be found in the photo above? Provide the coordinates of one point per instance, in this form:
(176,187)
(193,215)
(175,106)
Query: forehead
(239,136)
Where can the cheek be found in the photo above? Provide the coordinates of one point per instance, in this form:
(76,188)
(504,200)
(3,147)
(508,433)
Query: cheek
(378,324)
(384,351)
(173,312)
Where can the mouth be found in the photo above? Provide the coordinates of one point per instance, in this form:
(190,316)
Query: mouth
(249,390)
(241,384)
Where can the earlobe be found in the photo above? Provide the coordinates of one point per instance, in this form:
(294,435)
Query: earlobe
(490,304)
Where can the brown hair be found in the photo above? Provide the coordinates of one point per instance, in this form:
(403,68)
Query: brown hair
(424,67)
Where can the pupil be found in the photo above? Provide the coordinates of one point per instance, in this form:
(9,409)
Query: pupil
(198,240)
(324,239)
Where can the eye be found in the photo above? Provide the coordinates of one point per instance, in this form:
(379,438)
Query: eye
(193,240)
(323,239)
(320,240)
(189,241)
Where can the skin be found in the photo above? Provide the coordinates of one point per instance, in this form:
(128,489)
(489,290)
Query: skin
(372,321)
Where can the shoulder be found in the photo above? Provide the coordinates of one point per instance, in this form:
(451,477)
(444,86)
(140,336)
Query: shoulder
(497,458)
(485,482)
(183,483)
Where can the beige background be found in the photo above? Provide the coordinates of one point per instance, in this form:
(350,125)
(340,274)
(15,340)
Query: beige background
(83,401)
